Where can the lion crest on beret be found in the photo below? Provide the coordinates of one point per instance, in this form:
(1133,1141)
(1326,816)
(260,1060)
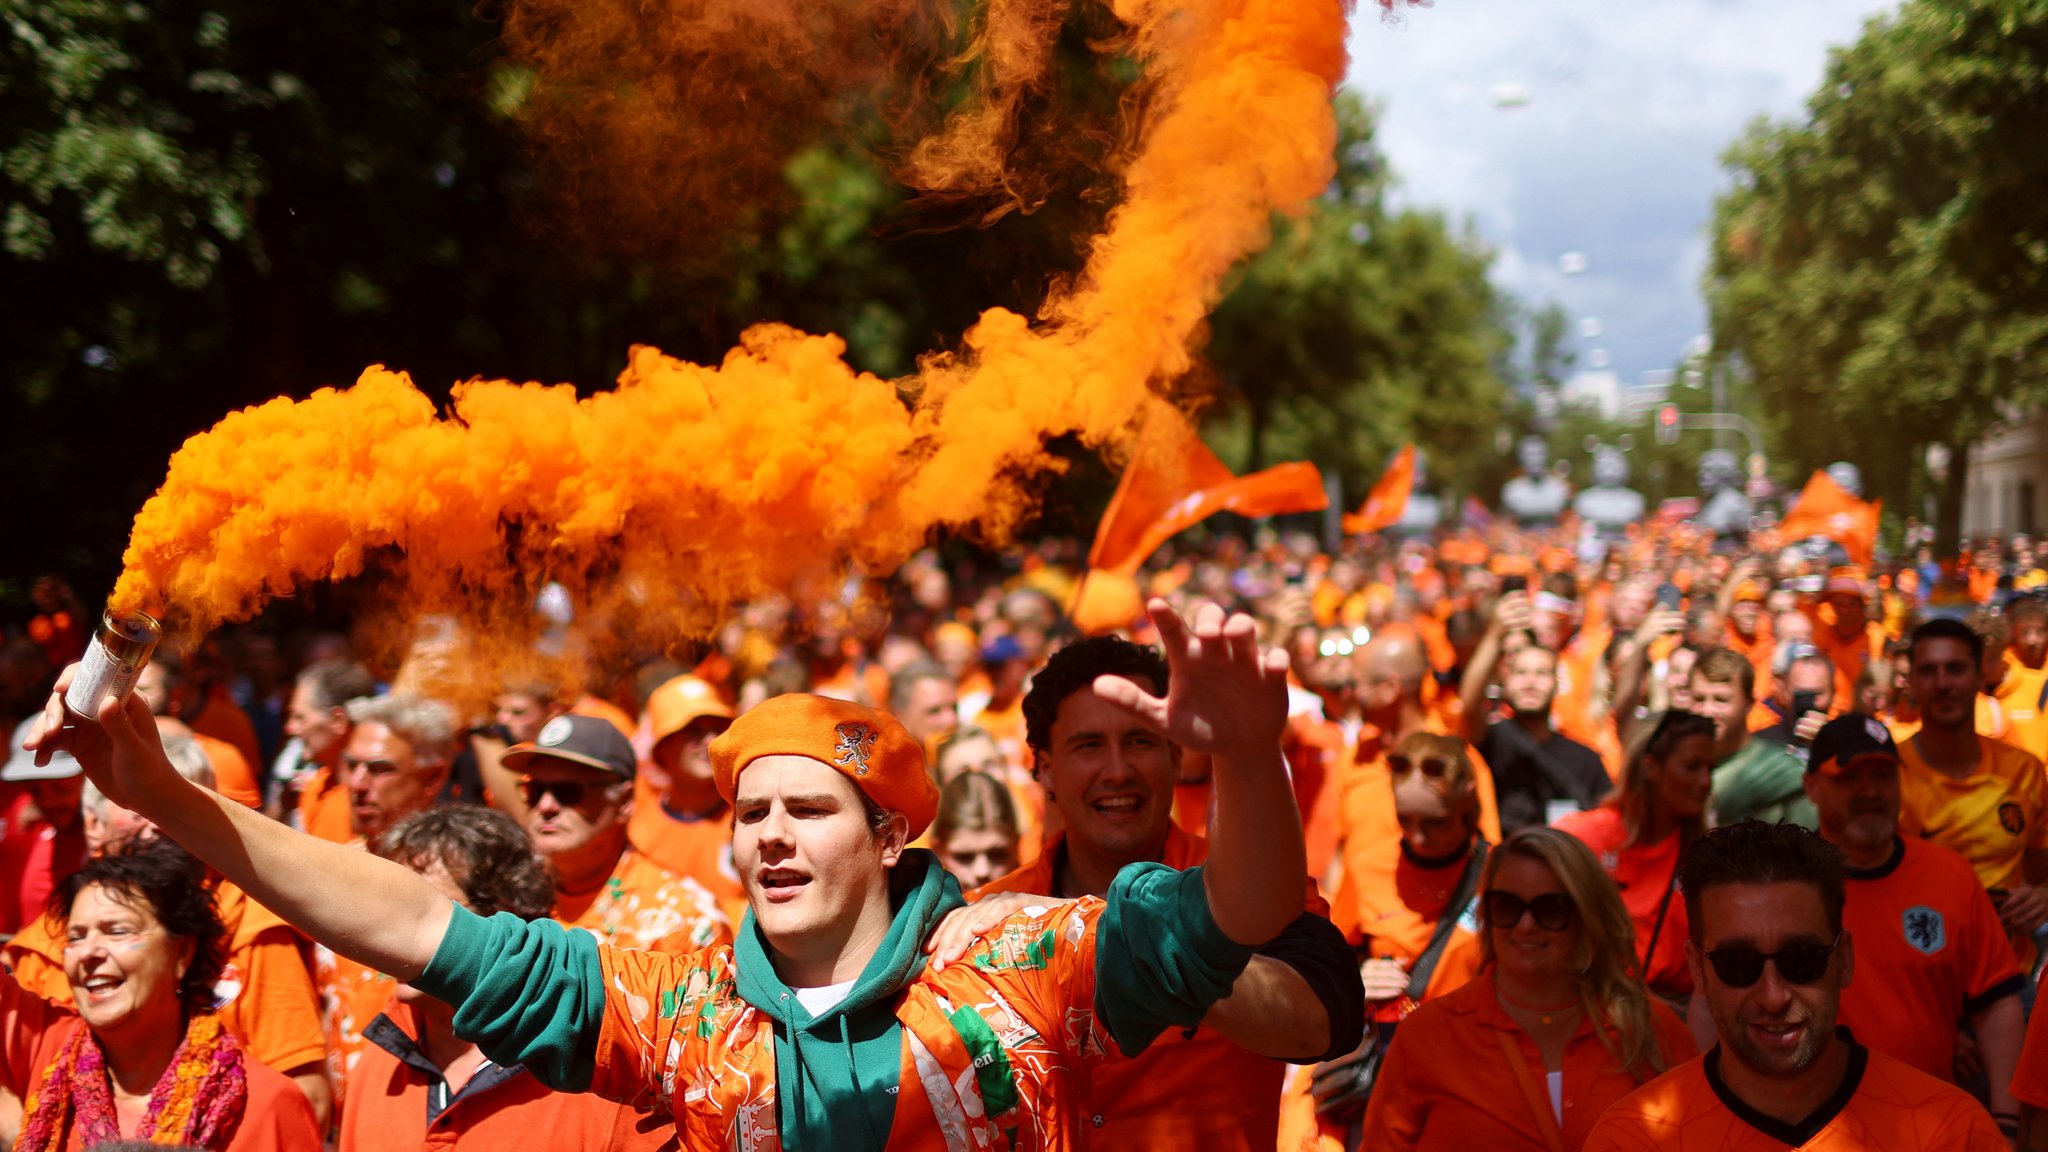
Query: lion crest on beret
(856,742)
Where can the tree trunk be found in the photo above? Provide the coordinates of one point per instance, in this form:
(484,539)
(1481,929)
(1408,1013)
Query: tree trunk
(1948,527)
(1256,419)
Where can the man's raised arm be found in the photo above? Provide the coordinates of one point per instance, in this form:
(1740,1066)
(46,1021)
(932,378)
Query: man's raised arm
(1228,697)
(368,909)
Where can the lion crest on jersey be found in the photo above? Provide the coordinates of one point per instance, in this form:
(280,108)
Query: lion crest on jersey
(856,742)
(1925,929)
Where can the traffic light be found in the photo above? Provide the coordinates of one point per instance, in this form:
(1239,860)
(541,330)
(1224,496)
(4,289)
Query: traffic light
(1667,424)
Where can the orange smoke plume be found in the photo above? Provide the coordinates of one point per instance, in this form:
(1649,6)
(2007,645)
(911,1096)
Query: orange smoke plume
(690,487)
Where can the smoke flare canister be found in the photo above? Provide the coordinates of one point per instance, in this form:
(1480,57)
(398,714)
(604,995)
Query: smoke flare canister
(118,652)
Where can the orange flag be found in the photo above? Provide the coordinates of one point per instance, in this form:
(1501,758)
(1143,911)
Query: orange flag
(1174,482)
(1825,508)
(1389,496)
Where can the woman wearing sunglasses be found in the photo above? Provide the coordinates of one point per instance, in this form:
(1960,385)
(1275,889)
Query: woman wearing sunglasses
(1641,831)
(1420,934)
(1555,1027)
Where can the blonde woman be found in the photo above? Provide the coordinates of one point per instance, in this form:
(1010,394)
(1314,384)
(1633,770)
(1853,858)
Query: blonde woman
(975,832)
(1556,1026)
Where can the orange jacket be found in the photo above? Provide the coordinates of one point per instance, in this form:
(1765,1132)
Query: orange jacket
(498,1110)
(1370,832)
(1448,1084)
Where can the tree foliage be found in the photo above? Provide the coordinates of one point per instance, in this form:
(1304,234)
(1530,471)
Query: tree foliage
(1882,266)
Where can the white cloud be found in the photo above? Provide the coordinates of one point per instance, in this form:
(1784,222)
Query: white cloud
(1616,153)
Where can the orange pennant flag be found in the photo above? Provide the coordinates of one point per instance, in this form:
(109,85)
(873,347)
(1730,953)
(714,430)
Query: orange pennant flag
(1388,499)
(1174,482)
(1825,508)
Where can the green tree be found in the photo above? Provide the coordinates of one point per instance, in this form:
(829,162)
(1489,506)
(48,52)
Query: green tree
(1882,266)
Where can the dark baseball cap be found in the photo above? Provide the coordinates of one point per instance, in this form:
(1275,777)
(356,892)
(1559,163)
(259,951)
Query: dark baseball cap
(584,740)
(1847,738)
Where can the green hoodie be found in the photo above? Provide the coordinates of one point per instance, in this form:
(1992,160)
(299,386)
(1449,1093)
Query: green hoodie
(855,1050)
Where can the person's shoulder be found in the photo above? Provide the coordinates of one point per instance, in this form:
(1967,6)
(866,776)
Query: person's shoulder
(1927,863)
(1031,939)
(2012,761)
(1891,1086)
(1656,1110)
(1597,828)
(277,1116)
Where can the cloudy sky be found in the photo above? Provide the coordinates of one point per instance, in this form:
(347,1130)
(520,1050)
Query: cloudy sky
(1615,154)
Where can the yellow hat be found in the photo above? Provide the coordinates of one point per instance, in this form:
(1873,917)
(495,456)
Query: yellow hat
(872,748)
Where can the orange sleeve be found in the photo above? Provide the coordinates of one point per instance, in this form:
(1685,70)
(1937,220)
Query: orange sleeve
(1394,1115)
(24,1017)
(36,956)
(232,777)
(277,1015)
(2030,1075)
(1489,808)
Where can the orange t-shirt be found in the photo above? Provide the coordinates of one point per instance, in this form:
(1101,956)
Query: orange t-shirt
(1199,1091)
(1848,655)
(232,776)
(33,1031)
(325,810)
(700,850)
(1447,1083)
(224,720)
(1314,749)
(1644,873)
(1929,950)
(265,995)
(598,709)
(643,905)
(2030,1076)
(1890,1106)
(498,1109)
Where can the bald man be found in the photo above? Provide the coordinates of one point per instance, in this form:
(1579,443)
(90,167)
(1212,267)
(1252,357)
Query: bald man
(1390,671)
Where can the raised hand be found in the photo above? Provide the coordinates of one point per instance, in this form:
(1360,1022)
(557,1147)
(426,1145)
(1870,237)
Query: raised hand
(120,749)
(1228,697)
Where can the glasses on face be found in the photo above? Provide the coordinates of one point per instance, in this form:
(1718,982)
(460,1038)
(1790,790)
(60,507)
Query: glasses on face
(1433,767)
(1740,965)
(567,793)
(1553,910)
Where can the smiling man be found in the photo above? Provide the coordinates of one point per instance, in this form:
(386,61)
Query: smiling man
(576,777)
(1769,954)
(1927,936)
(823,1026)
(1112,779)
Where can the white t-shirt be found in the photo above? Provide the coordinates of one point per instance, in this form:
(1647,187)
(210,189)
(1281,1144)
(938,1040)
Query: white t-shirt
(1556,1095)
(820,1000)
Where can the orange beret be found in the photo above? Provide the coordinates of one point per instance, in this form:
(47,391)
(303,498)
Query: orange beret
(872,748)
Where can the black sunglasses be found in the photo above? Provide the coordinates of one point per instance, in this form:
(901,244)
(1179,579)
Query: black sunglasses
(1553,910)
(567,793)
(1433,767)
(1740,965)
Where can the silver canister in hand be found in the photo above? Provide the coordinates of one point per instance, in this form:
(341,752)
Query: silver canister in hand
(118,652)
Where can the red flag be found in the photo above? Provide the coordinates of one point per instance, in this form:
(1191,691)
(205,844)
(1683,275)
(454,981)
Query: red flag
(1825,508)
(1388,499)
(1174,482)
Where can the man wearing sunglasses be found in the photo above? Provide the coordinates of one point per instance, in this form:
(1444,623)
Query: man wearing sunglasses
(1770,957)
(576,777)
(1927,937)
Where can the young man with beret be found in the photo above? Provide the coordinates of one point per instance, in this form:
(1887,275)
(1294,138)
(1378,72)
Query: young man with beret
(823,1025)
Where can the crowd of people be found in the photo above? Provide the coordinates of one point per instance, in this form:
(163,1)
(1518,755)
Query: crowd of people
(1483,839)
